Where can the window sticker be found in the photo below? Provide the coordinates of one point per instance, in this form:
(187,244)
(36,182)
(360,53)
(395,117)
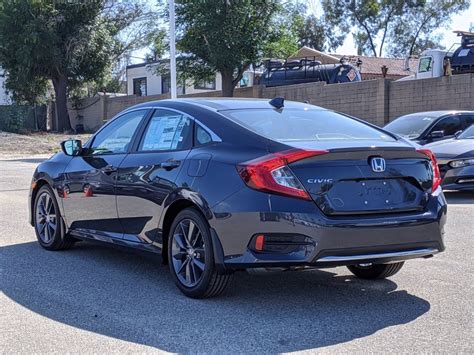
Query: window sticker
(164,133)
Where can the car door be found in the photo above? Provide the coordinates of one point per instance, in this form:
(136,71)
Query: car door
(147,175)
(448,125)
(89,180)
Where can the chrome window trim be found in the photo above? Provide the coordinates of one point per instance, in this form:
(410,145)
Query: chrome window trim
(214,137)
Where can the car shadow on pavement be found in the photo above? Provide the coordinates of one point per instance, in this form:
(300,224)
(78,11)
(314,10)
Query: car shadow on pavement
(132,297)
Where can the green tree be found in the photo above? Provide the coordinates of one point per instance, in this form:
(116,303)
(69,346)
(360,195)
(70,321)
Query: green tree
(407,26)
(314,34)
(224,35)
(293,28)
(283,29)
(367,19)
(67,43)
(416,30)
(24,88)
(159,45)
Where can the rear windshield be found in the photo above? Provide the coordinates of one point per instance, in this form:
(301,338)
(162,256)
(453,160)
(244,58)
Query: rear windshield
(410,126)
(304,124)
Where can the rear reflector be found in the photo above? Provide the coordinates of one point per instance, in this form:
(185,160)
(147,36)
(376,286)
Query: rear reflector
(434,167)
(281,243)
(259,242)
(271,173)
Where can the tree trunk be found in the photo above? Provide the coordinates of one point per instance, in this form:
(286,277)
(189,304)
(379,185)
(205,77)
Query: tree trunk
(60,89)
(369,36)
(227,83)
(389,16)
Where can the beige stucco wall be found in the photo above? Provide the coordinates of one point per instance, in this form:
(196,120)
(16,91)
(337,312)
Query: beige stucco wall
(446,93)
(363,99)
(376,101)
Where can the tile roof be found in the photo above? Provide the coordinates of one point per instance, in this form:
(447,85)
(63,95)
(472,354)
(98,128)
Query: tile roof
(373,65)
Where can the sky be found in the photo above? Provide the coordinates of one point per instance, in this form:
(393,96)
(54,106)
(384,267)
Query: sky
(459,22)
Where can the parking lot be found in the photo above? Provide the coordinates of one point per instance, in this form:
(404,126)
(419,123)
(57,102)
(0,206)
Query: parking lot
(101,299)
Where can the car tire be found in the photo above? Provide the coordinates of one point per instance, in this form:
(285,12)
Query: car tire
(191,258)
(375,271)
(49,226)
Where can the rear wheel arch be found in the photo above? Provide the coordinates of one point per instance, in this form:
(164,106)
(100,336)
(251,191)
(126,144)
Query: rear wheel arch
(171,212)
(38,185)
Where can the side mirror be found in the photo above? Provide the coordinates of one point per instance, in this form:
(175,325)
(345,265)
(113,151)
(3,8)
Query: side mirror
(437,134)
(72,147)
(457,133)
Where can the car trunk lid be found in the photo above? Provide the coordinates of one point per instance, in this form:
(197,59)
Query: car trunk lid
(345,182)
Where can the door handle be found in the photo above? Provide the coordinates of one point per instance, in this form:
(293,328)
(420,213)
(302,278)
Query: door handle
(170,164)
(109,169)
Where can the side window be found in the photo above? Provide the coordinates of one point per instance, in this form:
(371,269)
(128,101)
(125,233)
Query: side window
(206,84)
(117,136)
(468,120)
(448,125)
(167,130)
(424,65)
(166,85)
(202,137)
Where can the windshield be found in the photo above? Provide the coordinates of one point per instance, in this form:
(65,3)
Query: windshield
(304,124)
(410,126)
(468,133)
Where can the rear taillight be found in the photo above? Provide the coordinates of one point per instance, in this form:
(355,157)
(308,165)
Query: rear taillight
(434,167)
(271,172)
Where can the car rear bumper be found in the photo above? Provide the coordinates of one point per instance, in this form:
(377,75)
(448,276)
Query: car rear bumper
(459,178)
(331,242)
(379,257)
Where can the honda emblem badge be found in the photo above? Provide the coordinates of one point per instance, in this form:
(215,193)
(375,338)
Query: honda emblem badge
(378,164)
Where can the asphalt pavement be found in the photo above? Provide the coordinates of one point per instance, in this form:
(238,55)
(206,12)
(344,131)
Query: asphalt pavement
(98,299)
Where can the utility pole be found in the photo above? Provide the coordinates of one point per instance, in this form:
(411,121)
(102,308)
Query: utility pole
(172,51)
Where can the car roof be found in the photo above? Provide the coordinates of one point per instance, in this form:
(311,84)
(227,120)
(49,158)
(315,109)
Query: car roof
(436,113)
(221,104)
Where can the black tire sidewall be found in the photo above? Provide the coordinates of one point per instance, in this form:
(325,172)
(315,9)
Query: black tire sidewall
(201,288)
(58,234)
(375,271)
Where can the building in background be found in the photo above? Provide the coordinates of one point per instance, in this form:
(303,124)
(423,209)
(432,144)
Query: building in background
(144,80)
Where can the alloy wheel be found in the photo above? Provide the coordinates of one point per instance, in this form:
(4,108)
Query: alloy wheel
(46,218)
(188,253)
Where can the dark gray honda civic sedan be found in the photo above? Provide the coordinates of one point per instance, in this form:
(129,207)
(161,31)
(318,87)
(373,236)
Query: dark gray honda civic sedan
(220,185)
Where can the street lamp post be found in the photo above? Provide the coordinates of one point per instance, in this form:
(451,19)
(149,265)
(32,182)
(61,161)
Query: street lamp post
(172,51)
